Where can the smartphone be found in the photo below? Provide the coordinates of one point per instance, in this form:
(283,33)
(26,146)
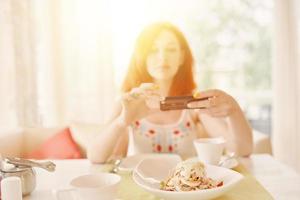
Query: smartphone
(179,102)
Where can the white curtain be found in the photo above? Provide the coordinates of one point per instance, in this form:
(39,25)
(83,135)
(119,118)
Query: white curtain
(286,83)
(18,100)
(55,62)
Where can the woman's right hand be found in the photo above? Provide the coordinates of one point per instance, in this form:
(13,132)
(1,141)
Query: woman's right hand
(139,103)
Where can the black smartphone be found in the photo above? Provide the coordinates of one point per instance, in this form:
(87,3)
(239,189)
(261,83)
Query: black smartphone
(179,102)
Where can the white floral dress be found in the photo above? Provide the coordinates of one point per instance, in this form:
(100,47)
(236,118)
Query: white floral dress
(147,137)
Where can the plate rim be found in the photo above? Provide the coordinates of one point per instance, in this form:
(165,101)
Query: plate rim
(150,155)
(231,167)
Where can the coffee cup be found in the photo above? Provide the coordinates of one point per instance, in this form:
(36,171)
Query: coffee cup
(210,150)
(102,186)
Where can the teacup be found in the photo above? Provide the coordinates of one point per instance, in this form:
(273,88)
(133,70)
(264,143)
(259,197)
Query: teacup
(102,186)
(210,150)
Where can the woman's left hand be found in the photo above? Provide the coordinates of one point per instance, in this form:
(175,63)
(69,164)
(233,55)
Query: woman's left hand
(218,104)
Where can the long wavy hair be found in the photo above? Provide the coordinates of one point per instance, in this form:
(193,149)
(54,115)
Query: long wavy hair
(183,82)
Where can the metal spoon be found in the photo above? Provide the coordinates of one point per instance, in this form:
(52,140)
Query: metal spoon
(49,166)
(228,157)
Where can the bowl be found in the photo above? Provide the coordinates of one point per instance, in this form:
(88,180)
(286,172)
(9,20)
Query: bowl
(102,186)
(229,177)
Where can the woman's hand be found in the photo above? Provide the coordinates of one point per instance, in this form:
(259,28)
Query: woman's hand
(219,103)
(139,103)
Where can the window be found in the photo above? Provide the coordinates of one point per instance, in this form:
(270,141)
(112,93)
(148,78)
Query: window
(74,43)
(231,43)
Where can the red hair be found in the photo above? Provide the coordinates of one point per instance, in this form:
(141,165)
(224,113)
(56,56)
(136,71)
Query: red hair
(183,82)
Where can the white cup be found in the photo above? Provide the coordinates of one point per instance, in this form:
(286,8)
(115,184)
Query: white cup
(102,186)
(210,150)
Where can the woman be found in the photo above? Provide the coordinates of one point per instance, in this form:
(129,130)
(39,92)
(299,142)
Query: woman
(162,65)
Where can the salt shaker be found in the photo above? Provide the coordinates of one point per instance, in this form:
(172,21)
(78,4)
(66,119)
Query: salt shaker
(11,188)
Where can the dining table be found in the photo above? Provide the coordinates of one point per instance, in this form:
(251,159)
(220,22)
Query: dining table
(278,179)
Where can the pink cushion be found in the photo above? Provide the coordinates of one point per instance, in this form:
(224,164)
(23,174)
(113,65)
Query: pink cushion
(59,146)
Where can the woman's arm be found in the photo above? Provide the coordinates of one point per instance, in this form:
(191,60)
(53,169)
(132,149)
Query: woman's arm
(114,137)
(115,132)
(234,128)
(224,117)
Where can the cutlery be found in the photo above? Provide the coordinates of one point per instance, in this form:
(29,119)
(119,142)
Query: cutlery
(49,166)
(230,156)
(115,165)
(149,180)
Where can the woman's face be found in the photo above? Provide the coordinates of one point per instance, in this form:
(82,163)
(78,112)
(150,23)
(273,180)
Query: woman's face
(165,56)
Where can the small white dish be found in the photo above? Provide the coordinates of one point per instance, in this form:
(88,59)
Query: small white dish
(229,177)
(92,187)
(230,163)
(129,163)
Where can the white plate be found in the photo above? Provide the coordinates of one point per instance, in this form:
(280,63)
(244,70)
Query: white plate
(129,163)
(231,163)
(163,164)
(229,177)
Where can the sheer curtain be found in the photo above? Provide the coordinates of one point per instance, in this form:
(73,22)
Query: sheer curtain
(18,97)
(55,62)
(286,83)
